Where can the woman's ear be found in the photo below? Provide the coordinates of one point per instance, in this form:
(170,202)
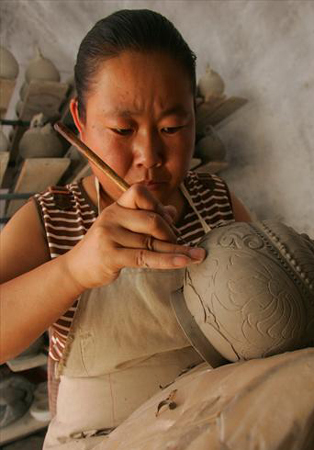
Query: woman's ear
(75,115)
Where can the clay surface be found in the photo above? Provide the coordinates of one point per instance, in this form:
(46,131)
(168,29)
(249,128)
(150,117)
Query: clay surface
(244,405)
(253,296)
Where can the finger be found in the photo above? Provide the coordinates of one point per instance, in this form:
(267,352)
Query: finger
(127,239)
(142,222)
(141,258)
(139,197)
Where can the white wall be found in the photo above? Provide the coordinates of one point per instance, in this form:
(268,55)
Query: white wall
(265,52)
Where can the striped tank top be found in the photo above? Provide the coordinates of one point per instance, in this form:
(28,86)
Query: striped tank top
(67,213)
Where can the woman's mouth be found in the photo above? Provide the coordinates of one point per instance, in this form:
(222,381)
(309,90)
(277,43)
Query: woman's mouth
(152,185)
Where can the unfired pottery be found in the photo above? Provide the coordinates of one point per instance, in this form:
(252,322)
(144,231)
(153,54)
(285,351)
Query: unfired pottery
(210,147)
(40,142)
(253,296)
(262,404)
(41,68)
(23,90)
(4,143)
(9,67)
(211,85)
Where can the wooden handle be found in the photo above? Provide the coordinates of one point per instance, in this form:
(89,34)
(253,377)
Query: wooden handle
(91,156)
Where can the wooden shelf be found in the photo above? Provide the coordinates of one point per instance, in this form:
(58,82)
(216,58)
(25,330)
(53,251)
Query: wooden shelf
(213,112)
(25,363)
(24,426)
(35,175)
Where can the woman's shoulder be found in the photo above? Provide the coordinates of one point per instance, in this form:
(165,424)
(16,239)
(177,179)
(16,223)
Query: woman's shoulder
(200,182)
(68,198)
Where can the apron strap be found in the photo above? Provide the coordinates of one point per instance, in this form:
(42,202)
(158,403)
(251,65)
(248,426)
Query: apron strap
(97,187)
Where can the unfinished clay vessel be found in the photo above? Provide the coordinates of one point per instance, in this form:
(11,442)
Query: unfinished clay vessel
(40,142)
(253,296)
(210,147)
(211,85)
(9,67)
(41,68)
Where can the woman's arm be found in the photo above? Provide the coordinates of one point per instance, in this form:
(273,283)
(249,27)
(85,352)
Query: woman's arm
(35,291)
(132,232)
(240,213)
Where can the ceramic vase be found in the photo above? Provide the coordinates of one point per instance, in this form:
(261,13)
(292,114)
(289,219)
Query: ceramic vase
(211,85)
(9,67)
(253,296)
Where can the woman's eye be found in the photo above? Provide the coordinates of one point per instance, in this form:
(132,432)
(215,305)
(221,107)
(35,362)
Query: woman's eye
(122,131)
(171,130)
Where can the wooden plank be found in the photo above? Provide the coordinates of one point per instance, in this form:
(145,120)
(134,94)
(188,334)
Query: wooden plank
(225,110)
(27,362)
(4,159)
(6,91)
(212,115)
(41,97)
(212,167)
(35,176)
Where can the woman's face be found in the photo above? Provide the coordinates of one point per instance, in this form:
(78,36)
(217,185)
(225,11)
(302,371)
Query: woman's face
(140,120)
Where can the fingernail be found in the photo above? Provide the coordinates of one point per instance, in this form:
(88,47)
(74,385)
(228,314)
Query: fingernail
(197,253)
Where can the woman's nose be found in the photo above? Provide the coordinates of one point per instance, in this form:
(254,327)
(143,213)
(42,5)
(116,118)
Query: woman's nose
(148,150)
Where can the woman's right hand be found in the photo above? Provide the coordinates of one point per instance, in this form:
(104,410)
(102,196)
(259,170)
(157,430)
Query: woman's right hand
(135,231)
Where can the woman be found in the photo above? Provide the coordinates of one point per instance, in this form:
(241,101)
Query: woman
(85,264)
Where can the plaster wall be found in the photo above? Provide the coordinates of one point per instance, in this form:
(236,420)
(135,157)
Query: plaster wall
(263,49)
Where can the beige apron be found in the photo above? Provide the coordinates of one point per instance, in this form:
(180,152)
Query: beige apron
(124,346)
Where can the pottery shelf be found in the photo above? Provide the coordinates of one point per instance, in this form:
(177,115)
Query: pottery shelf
(23,427)
(27,362)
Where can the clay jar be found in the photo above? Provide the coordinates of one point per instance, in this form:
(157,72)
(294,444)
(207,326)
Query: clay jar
(210,147)
(253,296)
(9,67)
(41,68)
(211,85)
(40,142)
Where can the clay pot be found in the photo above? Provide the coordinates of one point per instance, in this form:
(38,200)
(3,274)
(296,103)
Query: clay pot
(40,142)
(253,296)
(41,68)
(4,143)
(211,85)
(9,67)
(210,147)
(23,90)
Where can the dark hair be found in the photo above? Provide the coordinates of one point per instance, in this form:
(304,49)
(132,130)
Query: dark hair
(138,30)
